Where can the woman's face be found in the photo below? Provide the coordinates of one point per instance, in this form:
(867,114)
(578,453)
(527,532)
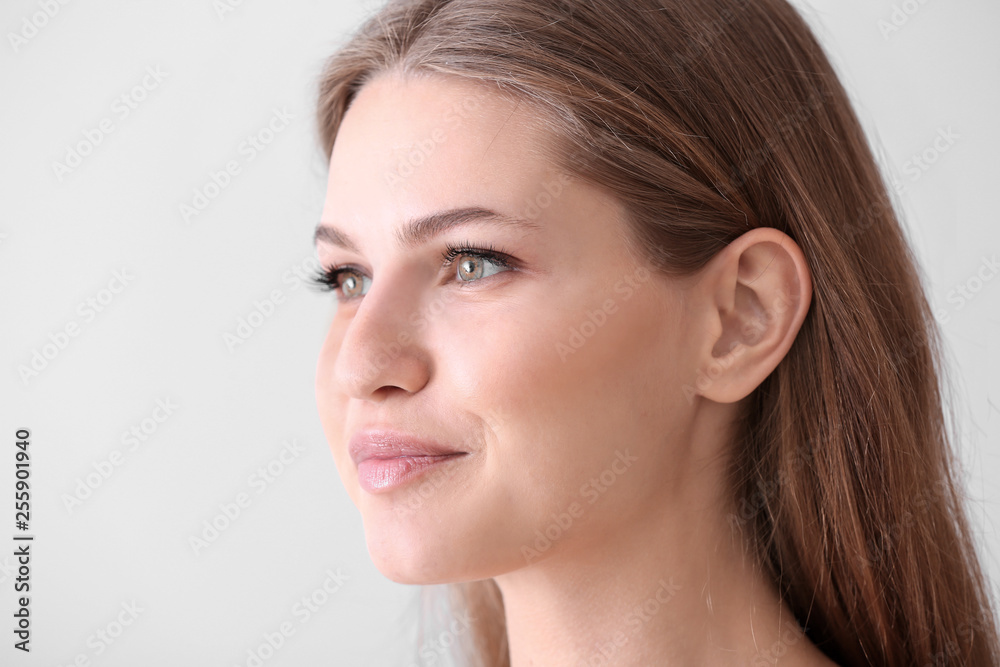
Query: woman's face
(559,375)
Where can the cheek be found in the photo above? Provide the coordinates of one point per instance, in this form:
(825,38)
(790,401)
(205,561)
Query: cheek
(557,367)
(567,389)
(609,406)
(332,406)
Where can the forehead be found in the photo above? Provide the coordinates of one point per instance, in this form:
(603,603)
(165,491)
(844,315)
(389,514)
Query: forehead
(411,145)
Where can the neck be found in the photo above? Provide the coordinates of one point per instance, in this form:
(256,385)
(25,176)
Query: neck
(674,590)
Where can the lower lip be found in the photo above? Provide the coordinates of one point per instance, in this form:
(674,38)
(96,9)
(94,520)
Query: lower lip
(382,475)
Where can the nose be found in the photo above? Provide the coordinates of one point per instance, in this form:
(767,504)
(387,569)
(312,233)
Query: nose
(380,349)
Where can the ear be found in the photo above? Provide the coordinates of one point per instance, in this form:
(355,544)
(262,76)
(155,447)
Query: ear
(750,302)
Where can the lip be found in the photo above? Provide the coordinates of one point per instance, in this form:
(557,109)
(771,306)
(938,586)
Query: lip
(388,459)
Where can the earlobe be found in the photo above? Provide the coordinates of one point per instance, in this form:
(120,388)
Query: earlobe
(757,291)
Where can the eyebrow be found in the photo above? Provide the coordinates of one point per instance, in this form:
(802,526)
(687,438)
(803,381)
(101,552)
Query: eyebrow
(420,230)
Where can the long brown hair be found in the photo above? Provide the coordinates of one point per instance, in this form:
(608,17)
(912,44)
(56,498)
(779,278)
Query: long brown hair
(708,118)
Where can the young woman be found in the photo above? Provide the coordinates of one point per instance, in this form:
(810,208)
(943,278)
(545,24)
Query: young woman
(630,346)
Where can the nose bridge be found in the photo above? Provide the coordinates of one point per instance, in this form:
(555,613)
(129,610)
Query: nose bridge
(380,346)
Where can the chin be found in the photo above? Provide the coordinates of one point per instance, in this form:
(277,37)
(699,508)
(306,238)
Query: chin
(424,560)
(426,548)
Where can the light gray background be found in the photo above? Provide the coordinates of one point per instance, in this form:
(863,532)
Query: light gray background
(162,337)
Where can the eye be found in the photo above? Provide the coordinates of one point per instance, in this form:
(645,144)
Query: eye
(476,263)
(348,282)
(473,264)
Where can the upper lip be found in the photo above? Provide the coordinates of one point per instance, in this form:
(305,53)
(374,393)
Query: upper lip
(390,444)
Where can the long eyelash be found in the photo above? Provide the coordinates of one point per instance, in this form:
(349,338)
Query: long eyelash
(490,252)
(328,279)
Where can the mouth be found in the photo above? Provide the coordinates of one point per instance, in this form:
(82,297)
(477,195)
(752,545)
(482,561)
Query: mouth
(387,460)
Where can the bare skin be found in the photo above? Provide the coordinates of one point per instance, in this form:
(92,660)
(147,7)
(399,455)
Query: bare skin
(593,397)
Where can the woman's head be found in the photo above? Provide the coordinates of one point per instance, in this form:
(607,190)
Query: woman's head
(710,304)
(573,366)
